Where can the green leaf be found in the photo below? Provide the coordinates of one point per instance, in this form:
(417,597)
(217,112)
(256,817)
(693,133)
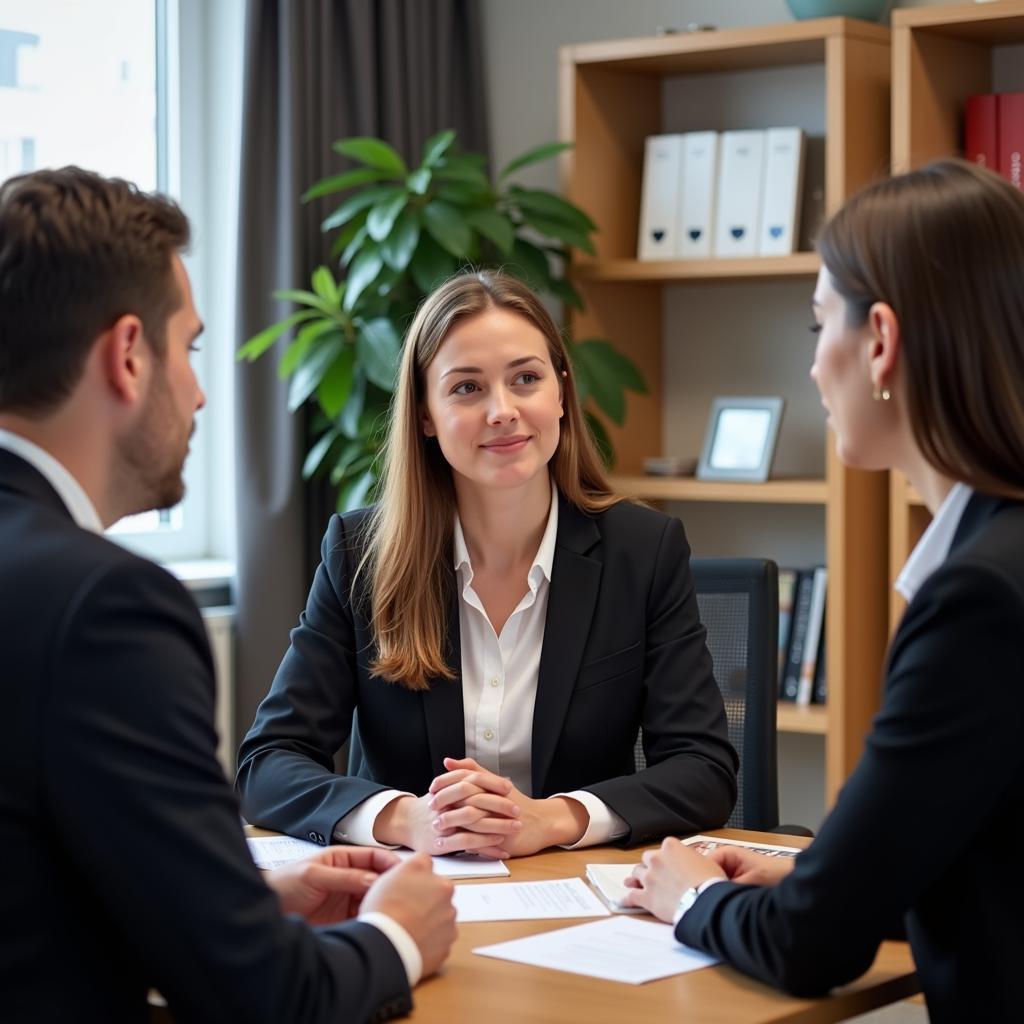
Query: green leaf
(378,346)
(355,243)
(448,227)
(340,182)
(336,384)
(365,267)
(469,175)
(436,147)
(374,152)
(360,201)
(354,491)
(620,365)
(430,264)
(563,290)
(603,442)
(399,246)
(534,156)
(383,216)
(547,204)
(259,343)
(493,226)
(529,264)
(349,418)
(306,298)
(295,353)
(419,181)
(466,195)
(557,229)
(608,374)
(318,452)
(348,232)
(324,285)
(311,372)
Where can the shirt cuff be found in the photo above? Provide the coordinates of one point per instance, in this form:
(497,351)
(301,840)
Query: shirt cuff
(356,828)
(701,889)
(403,942)
(604,825)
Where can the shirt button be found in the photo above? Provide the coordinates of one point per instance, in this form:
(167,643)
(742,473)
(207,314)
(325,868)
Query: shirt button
(488,734)
(495,680)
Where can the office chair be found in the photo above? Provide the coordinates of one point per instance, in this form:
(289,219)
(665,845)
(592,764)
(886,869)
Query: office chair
(739,604)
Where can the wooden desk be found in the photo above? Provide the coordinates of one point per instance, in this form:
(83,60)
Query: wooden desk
(475,989)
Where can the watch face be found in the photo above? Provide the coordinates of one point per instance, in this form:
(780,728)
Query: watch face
(686,901)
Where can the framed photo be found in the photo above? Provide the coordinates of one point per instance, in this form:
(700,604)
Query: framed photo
(739,443)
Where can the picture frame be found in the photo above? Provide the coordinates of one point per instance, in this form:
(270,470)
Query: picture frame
(739,443)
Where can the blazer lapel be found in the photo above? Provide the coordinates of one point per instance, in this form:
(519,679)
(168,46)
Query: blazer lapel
(575,580)
(442,703)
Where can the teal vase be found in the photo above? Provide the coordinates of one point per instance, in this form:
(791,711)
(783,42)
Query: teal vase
(869,10)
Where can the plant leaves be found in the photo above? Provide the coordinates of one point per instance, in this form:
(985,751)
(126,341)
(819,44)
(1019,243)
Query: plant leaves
(436,147)
(259,343)
(316,455)
(563,290)
(529,264)
(365,267)
(399,246)
(340,182)
(325,286)
(430,264)
(549,205)
(603,442)
(378,346)
(448,227)
(493,226)
(557,229)
(374,152)
(295,353)
(460,194)
(419,181)
(355,243)
(348,421)
(311,372)
(619,364)
(474,176)
(360,201)
(336,384)
(383,216)
(608,374)
(534,156)
(354,491)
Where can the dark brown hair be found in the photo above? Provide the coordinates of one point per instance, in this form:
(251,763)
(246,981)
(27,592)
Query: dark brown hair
(77,251)
(944,247)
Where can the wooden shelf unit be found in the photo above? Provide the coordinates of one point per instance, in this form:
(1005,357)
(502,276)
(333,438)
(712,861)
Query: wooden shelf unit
(940,56)
(610,101)
(812,719)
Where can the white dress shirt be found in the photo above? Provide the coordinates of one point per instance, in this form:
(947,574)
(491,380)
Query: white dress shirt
(933,547)
(499,688)
(84,513)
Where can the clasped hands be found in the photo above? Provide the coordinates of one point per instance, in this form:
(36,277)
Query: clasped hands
(471,808)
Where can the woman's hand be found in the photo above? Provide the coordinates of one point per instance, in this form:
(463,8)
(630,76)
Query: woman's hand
(659,882)
(470,798)
(750,867)
(330,885)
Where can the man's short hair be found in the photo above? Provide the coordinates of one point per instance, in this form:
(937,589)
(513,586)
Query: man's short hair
(77,252)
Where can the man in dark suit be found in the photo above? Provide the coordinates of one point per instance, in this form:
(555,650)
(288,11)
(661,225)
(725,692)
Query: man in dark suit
(124,863)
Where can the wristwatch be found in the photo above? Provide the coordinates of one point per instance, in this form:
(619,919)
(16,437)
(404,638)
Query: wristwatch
(686,901)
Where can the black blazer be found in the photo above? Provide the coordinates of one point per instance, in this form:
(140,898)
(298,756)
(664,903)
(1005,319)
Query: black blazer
(124,865)
(929,826)
(623,648)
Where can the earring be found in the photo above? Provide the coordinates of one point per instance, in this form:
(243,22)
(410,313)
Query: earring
(881,394)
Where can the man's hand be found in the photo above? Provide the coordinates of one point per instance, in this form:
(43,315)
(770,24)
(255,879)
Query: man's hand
(665,874)
(468,798)
(329,886)
(421,902)
(750,867)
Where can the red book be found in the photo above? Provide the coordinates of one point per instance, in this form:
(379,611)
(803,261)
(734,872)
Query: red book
(980,134)
(1010,123)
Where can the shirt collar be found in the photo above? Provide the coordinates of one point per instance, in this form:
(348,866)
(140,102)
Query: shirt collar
(542,561)
(933,547)
(82,510)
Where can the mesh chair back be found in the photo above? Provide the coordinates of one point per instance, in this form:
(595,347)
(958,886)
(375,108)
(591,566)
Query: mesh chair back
(739,606)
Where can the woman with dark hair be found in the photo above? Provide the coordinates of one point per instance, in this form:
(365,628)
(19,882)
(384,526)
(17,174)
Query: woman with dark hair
(500,625)
(919,311)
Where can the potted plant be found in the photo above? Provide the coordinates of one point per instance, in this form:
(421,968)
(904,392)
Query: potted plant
(400,232)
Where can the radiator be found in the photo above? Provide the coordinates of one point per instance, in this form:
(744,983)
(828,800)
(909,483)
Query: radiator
(220,628)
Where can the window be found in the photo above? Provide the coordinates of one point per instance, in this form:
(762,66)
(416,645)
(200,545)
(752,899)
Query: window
(149,91)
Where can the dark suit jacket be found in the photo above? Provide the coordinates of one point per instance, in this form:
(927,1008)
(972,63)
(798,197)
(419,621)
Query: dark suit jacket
(929,825)
(124,865)
(623,648)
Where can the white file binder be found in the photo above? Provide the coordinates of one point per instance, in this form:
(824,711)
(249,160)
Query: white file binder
(662,160)
(783,185)
(740,180)
(698,181)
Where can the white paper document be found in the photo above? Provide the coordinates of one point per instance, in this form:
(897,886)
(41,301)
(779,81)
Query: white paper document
(619,949)
(276,851)
(610,882)
(527,901)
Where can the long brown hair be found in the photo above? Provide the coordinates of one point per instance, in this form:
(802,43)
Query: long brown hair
(944,247)
(408,555)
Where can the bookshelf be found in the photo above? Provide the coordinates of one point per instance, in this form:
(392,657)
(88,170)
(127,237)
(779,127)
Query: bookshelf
(940,56)
(611,96)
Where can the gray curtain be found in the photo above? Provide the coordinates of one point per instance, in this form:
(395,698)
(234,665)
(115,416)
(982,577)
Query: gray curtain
(317,71)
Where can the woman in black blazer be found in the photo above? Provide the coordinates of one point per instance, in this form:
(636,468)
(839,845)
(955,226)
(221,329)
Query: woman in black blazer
(919,310)
(497,630)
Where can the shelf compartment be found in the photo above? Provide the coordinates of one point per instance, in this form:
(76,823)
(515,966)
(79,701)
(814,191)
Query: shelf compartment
(772,492)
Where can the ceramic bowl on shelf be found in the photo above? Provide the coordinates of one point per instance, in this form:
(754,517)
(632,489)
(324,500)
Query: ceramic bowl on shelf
(868,10)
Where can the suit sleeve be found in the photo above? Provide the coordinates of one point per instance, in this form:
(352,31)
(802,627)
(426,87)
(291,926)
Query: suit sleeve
(941,753)
(689,783)
(286,778)
(148,821)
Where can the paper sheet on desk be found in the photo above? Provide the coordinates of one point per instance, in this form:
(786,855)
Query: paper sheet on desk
(619,949)
(276,851)
(527,901)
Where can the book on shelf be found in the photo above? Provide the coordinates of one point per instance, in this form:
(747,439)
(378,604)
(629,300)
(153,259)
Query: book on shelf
(1010,120)
(790,680)
(981,136)
(820,694)
(994,133)
(783,183)
(812,637)
(787,587)
(659,199)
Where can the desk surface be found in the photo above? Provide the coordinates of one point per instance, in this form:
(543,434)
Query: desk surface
(472,989)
